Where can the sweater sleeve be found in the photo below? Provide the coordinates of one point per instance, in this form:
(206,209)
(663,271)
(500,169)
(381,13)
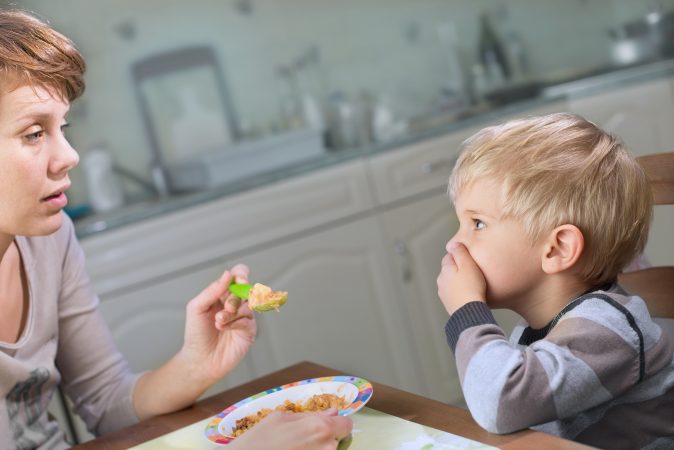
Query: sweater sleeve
(588,358)
(95,375)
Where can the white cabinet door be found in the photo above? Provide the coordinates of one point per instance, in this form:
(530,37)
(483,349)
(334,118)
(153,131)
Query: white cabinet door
(342,309)
(148,323)
(642,116)
(417,236)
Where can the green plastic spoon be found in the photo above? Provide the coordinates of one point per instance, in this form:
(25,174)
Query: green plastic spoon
(241,290)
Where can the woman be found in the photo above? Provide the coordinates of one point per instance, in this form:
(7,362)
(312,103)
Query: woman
(51,331)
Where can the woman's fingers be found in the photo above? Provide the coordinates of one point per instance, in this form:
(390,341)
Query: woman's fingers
(212,294)
(231,304)
(240,273)
(217,293)
(341,426)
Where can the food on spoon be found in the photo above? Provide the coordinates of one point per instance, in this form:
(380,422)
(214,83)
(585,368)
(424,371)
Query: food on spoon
(260,298)
(318,402)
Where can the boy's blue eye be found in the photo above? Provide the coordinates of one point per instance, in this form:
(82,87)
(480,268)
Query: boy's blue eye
(478,224)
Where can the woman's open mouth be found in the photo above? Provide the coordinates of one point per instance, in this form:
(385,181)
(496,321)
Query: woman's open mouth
(58,200)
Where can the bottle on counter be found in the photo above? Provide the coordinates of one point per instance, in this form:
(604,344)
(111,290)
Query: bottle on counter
(342,121)
(517,57)
(491,54)
(105,190)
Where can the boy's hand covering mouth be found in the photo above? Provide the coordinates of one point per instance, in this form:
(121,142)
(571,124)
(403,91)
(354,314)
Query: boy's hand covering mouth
(460,281)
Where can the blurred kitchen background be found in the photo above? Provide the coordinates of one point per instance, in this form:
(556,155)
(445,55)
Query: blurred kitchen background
(364,70)
(312,140)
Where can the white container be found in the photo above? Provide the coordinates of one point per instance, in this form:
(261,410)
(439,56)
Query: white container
(244,159)
(105,190)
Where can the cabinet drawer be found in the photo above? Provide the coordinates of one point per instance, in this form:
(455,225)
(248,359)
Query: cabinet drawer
(125,257)
(641,115)
(425,166)
(415,168)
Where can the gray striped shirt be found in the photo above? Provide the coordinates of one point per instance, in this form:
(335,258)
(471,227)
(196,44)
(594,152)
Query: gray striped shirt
(602,373)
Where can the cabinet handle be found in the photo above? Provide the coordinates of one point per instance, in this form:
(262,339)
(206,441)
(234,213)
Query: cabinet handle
(406,264)
(430,167)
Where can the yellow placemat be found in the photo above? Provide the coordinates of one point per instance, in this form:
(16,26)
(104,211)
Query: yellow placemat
(372,430)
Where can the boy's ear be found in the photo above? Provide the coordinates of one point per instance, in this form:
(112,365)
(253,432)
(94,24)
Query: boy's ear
(562,248)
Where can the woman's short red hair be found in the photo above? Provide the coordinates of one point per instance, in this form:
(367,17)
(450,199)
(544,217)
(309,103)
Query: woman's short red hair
(32,53)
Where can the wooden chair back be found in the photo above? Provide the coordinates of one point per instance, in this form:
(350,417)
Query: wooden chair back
(656,284)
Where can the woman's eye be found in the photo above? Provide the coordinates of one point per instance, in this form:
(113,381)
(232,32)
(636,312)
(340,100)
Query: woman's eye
(34,137)
(478,224)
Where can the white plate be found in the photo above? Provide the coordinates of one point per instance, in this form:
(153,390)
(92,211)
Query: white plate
(356,391)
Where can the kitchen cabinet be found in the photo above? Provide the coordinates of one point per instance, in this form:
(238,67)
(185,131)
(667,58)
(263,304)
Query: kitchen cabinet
(128,258)
(343,309)
(642,115)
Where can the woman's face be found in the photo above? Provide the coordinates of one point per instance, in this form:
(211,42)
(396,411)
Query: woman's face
(35,159)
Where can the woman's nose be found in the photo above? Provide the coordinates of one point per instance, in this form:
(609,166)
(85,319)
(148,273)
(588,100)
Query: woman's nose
(64,158)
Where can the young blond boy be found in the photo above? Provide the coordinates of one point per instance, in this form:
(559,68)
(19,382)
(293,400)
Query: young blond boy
(550,209)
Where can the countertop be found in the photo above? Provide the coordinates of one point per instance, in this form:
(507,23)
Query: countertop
(542,92)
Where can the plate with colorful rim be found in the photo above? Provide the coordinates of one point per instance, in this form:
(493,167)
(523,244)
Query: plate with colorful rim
(356,391)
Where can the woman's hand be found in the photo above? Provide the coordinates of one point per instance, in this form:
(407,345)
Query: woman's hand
(460,280)
(219,331)
(219,328)
(296,431)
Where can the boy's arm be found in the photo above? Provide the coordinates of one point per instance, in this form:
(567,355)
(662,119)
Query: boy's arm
(583,362)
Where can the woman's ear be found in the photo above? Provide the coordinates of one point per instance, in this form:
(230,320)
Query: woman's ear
(562,248)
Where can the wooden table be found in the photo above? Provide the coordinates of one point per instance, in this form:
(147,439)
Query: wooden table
(385,398)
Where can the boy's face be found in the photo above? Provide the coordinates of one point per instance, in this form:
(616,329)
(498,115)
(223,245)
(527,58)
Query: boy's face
(35,159)
(510,263)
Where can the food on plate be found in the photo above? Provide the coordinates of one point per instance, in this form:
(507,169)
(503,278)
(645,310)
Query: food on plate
(318,402)
(261,298)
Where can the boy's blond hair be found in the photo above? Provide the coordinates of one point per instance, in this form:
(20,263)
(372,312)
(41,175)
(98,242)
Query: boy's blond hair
(562,169)
(34,54)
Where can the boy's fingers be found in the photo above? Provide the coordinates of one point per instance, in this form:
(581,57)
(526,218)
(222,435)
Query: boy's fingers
(461,256)
(448,261)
